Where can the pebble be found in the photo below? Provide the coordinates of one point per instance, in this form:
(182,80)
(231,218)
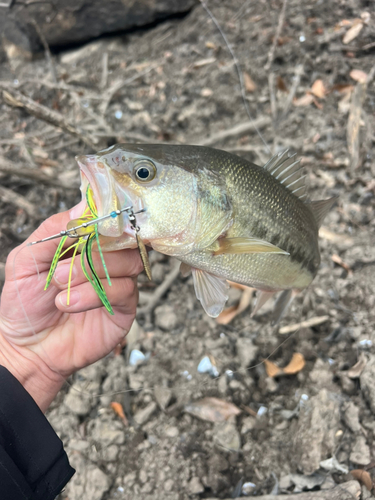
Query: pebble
(247,351)
(360,453)
(142,416)
(172,432)
(367,378)
(78,403)
(168,485)
(351,416)
(195,486)
(163,396)
(318,422)
(227,436)
(165,317)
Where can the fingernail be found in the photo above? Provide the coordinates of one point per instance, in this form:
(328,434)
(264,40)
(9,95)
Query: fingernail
(74,298)
(62,273)
(78,210)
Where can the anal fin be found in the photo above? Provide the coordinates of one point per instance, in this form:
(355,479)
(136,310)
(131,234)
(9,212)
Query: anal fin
(282,304)
(211,291)
(246,245)
(262,298)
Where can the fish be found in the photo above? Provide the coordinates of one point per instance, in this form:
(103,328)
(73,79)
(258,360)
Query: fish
(223,217)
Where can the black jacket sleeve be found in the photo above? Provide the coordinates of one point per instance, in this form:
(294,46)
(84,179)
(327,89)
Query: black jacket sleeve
(33,463)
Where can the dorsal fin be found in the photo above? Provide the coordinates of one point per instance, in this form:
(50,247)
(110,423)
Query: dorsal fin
(289,172)
(320,208)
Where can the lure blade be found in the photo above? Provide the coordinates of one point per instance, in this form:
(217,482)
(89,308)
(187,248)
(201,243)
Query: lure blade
(144,256)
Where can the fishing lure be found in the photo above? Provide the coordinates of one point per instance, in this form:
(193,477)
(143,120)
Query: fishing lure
(86,233)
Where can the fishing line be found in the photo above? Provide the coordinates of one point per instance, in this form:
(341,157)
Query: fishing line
(238,69)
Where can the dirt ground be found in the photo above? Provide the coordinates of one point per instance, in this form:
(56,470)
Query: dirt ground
(177,82)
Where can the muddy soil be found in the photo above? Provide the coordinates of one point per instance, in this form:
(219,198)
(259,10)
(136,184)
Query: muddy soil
(176,82)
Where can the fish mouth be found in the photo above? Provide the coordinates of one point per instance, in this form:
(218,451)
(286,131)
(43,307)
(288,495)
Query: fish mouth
(96,174)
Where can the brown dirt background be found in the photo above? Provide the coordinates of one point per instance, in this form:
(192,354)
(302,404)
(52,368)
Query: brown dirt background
(179,84)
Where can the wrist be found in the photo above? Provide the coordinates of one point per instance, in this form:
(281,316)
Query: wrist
(35,376)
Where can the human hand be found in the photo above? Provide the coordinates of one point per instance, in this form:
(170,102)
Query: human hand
(42,340)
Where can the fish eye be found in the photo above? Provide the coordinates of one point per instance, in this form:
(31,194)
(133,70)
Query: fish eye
(145,171)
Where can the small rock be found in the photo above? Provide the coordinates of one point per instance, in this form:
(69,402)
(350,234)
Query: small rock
(227,436)
(78,444)
(248,424)
(165,317)
(110,453)
(360,453)
(163,396)
(106,433)
(218,463)
(318,422)
(143,415)
(271,385)
(172,432)
(351,416)
(247,351)
(367,383)
(143,476)
(168,485)
(195,486)
(78,403)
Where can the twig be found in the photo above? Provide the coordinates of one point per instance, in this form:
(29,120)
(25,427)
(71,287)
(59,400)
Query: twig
(318,320)
(296,81)
(10,168)
(16,99)
(121,83)
(271,52)
(46,50)
(9,196)
(104,78)
(238,69)
(237,130)
(271,86)
(160,290)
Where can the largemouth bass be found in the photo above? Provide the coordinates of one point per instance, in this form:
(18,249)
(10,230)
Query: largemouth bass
(222,216)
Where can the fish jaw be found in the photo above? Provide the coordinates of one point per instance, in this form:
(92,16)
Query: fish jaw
(107,198)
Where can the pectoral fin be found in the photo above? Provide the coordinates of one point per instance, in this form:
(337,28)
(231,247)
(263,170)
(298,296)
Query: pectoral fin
(211,291)
(246,245)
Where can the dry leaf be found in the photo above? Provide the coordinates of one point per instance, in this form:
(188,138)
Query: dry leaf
(356,370)
(305,100)
(343,88)
(318,89)
(212,409)
(272,369)
(358,75)
(210,45)
(352,33)
(118,409)
(250,85)
(295,365)
(338,260)
(363,477)
(280,84)
(226,316)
